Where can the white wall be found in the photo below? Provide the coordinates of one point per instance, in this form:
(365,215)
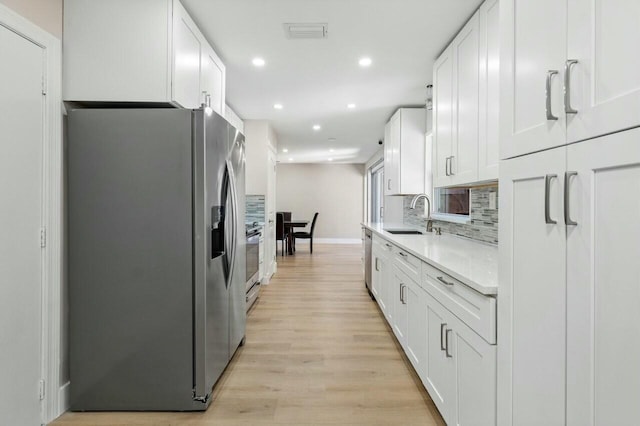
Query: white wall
(259,138)
(47,14)
(336,191)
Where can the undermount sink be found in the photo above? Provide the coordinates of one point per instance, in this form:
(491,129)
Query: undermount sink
(404,231)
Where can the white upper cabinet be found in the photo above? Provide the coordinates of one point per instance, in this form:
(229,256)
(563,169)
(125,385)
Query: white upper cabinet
(443,124)
(404,155)
(604,83)
(465,116)
(569,72)
(533,51)
(138,51)
(489,130)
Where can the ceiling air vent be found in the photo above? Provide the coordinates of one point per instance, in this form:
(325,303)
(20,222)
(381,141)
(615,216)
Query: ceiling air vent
(305,30)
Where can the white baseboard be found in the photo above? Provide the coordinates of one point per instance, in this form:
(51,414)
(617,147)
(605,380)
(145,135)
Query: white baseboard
(331,241)
(63,398)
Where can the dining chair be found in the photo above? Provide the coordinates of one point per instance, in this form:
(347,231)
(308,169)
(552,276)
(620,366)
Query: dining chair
(281,232)
(306,235)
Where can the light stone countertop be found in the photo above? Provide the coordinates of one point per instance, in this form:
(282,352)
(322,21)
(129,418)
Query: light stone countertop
(472,262)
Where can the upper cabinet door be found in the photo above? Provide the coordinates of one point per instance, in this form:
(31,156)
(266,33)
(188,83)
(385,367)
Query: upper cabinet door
(603,292)
(463,166)
(393,178)
(187,49)
(489,130)
(532,56)
(443,115)
(388,159)
(212,80)
(605,82)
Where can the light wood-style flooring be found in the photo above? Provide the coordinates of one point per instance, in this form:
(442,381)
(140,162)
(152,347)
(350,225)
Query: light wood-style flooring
(318,352)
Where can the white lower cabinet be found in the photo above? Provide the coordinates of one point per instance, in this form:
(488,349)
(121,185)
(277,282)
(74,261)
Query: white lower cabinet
(454,361)
(569,323)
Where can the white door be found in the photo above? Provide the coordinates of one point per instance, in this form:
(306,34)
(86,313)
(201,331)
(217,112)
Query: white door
(532,302)
(439,369)
(186,59)
(21,177)
(603,282)
(270,241)
(211,80)
(416,326)
(489,134)
(533,46)
(464,149)
(605,82)
(443,113)
(475,382)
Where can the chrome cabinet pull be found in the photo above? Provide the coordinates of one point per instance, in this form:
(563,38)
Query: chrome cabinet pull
(567,86)
(547,187)
(550,75)
(403,254)
(389,184)
(446,343)
(401,293)
(442,346)
(445,282)
(388,245)
(451,165)
(377,267)
(446,166)
(567,191)
(404,295)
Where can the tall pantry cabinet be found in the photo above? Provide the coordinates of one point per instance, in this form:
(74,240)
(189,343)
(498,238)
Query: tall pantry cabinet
(568,317)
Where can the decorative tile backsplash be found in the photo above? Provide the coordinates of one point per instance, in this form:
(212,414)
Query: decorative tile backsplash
(255,208)
(484,221)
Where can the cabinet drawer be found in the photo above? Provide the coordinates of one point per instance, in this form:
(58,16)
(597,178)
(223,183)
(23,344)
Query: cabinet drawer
(407,263)
(381,244)
(474,309)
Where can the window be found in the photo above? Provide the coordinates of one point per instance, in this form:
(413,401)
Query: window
(452,201)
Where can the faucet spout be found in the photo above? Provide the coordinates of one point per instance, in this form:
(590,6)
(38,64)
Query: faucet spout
(414,201)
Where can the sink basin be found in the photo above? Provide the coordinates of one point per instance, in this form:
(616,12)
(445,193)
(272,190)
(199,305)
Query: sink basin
(404,231)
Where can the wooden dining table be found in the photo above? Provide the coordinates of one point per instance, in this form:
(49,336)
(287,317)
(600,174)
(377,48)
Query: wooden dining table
(289,225)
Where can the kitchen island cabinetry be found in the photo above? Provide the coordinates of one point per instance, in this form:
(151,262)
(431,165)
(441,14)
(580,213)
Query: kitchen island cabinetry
(150,51)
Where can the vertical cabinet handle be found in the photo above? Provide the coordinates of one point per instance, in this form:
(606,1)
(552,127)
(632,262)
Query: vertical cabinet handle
(389,184)
(446,166)
(547,188)
(451,165)
(567,86)
(442,327)
(550,75)
(567,213)
(377,267)
(404,294)
(401,292)
(446,343)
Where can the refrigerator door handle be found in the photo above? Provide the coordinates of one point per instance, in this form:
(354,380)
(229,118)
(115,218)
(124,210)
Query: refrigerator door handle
(234,221)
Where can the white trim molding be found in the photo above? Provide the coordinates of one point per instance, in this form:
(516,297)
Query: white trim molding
(52,214)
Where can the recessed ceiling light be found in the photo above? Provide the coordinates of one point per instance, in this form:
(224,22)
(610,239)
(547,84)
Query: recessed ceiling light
(331,150)
(290,159)
(365,62)
(351,106)
(316,127)
(285,150)
(277,106)
(330,159)
(258,62)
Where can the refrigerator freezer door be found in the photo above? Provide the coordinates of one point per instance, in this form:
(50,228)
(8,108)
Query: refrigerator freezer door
(213,249)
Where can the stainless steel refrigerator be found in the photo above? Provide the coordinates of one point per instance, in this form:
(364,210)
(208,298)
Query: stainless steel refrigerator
(156,242)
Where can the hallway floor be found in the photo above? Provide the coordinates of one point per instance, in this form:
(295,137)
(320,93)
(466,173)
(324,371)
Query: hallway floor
(318,352)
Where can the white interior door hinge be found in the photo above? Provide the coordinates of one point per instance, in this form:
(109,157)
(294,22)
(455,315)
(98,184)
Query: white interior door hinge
(41,390)
(43,237)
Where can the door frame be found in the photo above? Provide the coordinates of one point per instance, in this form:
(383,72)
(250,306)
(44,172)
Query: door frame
(54,402)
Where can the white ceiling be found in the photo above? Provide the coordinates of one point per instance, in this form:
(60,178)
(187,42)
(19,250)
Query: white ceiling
(315,79)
